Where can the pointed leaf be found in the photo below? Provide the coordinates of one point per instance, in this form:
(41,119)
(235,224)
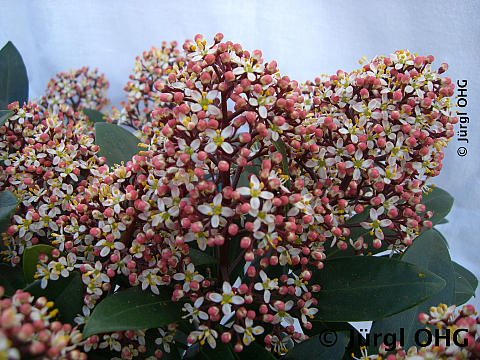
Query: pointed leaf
(66,293)
(428,251)
(132,309)
(94,116)
(440,202)
(8,204)
(466,274)
(30,259)
(11,278)
(13,77)
(4,115)
(463,290)
(330,342)
(366,288)
(199,257)
(116,143)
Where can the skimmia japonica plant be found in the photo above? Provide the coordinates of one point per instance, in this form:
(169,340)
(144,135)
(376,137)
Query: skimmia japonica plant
(227,211)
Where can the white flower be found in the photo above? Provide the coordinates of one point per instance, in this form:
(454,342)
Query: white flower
(261,101)
(226,299)
(150,278)
(216,211)
(283,315)
(205,333)
(204,102)
(247,67)
(299,283)
(358,163)
(255,192)
(267,284)
(166,338)
(376,224)
(194,311)
(248,331)
(189,276)
(263,216)
(217,139)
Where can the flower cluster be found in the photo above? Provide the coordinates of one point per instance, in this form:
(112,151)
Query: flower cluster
(459,337)
(27,329)
(154,65)
(82,88)
(383,129)
(235,156)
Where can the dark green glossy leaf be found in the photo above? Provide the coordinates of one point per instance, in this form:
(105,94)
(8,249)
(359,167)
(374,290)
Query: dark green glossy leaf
(247,170)
(199,257)
(4,115)
(221,351)
(13,77)
(94,116)
(133,309)
(460,270)
(11,279)
(116,143)
(30,259)
(327,345)
(440,202)
(443,221)
(429,252)
(465,284)
(8,204)
(463,290)
(66,293)
(366,288)
(256,351)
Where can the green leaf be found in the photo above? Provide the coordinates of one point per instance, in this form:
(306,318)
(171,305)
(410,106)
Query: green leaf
(30,259)
(256,351)
(472,279)
(440,202)
(13,77)
(327,345)
(429,252)
(4,115)
(116,143)
(66,293)
(280,146)
(465,284)
(11,278)
(221,351)
(463,290)
(132,309)
(8,204)
(247,170)
(366,288)
(94,116)
(199,257)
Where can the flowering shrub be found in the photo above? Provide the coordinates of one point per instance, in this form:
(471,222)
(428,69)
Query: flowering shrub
(236,218)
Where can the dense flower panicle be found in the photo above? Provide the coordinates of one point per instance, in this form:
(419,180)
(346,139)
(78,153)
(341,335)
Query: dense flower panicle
(81,88)
(460,326)
(154,65)
(27,330)
(235,155)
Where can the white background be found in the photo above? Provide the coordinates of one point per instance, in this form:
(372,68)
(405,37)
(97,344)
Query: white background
(307,38)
